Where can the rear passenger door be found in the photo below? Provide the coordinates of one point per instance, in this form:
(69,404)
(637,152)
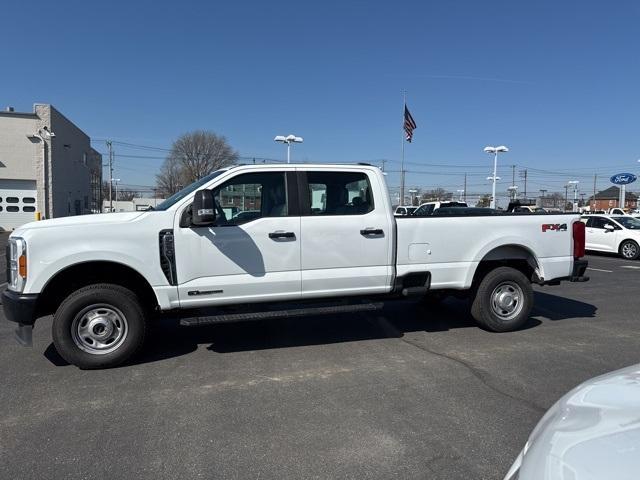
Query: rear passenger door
(346,237)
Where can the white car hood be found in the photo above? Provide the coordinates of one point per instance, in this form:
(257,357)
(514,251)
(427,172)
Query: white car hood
(593,432)
(81,220)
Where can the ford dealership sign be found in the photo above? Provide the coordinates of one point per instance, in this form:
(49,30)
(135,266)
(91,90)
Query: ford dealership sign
(623,178)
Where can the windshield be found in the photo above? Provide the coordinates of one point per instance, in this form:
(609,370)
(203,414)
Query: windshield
(186,191)
(628,222)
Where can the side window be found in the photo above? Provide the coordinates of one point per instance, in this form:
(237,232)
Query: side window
(250,196)
(589,222)
(598,222)
(339,193)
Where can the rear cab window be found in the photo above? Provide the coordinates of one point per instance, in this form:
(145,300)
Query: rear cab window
(337,193)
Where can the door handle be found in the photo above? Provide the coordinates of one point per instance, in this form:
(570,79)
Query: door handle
(282,235)
(368,232)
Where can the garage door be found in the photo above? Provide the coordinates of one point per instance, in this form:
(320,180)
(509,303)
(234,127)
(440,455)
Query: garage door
(17,203)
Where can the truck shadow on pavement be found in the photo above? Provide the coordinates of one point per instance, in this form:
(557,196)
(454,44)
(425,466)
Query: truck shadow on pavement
(167,339)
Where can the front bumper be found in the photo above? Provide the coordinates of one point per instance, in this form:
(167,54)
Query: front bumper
(21,308)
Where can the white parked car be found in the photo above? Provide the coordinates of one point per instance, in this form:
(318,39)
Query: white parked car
(312,233)
(592,433)
(404,210)
(616,233)
(429,207)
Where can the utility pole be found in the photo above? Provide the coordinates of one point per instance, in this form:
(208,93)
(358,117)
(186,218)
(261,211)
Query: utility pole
(513,175)
(524,173)
(595,181)
(383,162)
(465,187)
(110,147)
(566,197)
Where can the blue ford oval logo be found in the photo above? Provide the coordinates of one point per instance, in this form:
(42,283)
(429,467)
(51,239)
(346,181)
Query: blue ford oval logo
(623,178)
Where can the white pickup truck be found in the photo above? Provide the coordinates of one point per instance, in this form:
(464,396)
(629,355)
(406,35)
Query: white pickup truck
(273,240)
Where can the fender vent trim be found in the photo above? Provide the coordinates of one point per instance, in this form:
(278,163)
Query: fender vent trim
(168,256)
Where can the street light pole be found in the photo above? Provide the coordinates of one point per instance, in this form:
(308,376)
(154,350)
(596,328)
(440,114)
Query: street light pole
(116,180)
(574,183)
(495,151)
(289,139)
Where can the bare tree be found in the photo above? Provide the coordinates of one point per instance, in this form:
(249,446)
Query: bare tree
(201,152)
(124,195)
(169,179)
(437,194)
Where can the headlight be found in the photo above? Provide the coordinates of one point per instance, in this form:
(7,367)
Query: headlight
(17,264)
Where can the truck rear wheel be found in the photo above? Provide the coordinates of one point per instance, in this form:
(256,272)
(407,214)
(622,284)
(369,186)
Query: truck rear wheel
(99,326)
(503,300)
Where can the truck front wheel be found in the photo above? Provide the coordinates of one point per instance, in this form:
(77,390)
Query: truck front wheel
(99,326)
(503,300)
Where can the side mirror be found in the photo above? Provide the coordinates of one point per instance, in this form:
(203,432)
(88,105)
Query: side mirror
(609,227)
(203,209)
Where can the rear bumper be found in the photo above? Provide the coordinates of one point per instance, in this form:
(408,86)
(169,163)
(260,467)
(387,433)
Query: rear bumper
(579,269)
(577,274)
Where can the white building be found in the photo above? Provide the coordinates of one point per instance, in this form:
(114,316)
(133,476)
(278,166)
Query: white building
(47,166)
(136,205)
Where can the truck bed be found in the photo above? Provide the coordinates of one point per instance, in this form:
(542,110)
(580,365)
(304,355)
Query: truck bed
(450,247)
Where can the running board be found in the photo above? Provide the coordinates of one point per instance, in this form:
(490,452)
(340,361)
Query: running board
(296,312)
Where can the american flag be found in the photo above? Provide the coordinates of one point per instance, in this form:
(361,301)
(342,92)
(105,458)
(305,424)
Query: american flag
(409,124)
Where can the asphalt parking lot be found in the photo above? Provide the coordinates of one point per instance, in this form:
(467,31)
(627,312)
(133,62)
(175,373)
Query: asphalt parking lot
(409,392)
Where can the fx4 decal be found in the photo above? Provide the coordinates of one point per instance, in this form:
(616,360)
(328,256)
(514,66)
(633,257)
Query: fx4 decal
(557,227)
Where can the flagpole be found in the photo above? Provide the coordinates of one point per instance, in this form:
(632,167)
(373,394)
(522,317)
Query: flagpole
(404,106)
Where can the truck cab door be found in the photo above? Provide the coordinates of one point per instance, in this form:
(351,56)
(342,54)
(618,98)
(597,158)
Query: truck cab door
(252,252)
(346,236)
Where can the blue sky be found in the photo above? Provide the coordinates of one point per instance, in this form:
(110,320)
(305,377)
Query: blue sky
(555,81)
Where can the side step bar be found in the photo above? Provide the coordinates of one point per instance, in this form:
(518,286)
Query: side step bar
(295,312)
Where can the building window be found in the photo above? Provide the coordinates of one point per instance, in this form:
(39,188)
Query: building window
(12,199)
(13,208)
(28,200)
(28,209)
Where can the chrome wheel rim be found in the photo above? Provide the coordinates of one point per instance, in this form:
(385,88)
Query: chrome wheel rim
(99,329)
(629,250)
(507,300)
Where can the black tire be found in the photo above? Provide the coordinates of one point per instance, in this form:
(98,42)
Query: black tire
(629,250)
(94,310)
(506,283)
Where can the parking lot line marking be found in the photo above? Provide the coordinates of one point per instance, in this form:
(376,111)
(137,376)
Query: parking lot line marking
(634,267)
(599,270)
